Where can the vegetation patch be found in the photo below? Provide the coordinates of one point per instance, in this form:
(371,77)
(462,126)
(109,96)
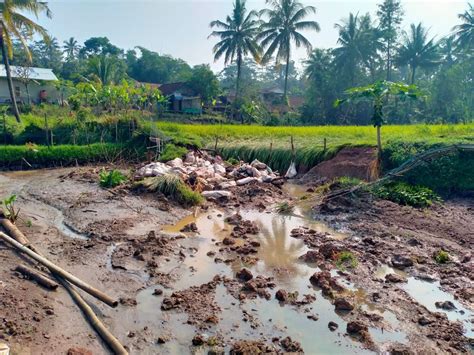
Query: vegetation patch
(346,259)
(9,209)
(406,194)
(111,178)
(172,151)
(441,257)
(285,208)
(174,188)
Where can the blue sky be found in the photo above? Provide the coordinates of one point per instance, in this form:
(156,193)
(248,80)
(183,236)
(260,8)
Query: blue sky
(181,27)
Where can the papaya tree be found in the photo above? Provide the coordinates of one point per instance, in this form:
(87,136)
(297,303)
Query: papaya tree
(379,95)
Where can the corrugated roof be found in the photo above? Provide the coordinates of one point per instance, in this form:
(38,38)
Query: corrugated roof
(34,74)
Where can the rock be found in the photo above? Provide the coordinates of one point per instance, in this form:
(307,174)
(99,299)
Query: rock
(157,292)
(311,256)
(414,242)
(424,321)
(341,304)
(175,163)
(244,275)
(281,295)
(291,346)
(246,181)
(394,278)
(332,326)
(161,340)
(356,327)
(401,261)
(198,340)
(191,227)
(228,241)
(330,249)
(78,351)
(258,165)
(219,169)
(446,305)
(227,185)
(190,158)
(217,194)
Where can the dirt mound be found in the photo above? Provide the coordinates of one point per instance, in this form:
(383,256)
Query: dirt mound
(357,162)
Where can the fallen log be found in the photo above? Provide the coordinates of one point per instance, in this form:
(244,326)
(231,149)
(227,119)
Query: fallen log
(58,271)
(95,322)
(36,276)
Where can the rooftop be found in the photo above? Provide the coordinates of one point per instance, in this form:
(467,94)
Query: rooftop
(34,73)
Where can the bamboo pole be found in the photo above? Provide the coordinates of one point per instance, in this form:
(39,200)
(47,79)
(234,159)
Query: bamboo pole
(36,276)
(13,230)
(95,322)
(57,270)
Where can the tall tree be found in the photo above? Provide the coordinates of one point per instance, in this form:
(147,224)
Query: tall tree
(71,48)
(390,14)
(12,22)
(286,18)
(237,38)
(464,33)
(417,51)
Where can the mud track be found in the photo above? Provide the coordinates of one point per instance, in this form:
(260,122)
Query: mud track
(236,276)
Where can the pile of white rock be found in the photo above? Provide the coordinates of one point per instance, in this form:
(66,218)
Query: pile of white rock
(213,173)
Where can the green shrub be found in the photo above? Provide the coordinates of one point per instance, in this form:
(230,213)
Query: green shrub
(345,182)
(171,152)
(173,187)
(441,257)
(233,161)
(111,178)
(406,194)
(346,259)
(285,208)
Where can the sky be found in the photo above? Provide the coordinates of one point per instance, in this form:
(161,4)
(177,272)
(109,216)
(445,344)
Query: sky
(181,27)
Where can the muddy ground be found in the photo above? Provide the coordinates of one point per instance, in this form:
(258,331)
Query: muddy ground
(235,276)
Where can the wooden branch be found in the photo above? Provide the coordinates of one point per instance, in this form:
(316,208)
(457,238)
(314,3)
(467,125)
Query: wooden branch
(37,276)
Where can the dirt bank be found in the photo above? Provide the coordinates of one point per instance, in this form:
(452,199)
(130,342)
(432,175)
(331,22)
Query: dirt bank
(235,275)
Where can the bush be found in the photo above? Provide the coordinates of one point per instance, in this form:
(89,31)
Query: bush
(285,208)
(441,257)
(346,259)
(111,178)
(346,182)
(405,194)
(171,152)
(173,187)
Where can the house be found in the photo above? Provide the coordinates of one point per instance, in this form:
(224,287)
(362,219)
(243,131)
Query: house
(182,98)
(274,100)
(31,85)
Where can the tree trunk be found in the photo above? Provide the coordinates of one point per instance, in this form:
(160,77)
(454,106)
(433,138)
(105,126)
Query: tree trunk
(237,86)
(6,62)
(413,70)
(287,69)
(379,142)
(389,64)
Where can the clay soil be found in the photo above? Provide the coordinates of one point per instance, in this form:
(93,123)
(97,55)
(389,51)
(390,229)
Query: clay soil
(116,241)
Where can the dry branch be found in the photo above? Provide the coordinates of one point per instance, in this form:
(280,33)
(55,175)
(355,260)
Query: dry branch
(37,276)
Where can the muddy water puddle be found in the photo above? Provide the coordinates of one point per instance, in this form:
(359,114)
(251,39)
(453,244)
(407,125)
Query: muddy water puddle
(277,257)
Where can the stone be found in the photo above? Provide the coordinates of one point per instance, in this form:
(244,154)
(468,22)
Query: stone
(175,163)
(424,321)
(244,275)
(394,278)
(311,256)
(228,241)
(446,305)
(78,351)
(246,181)
(217,194)
(157,292)
(341,304)
(198,340)
(401,261)
(332,326)
(356,327)
(281,295)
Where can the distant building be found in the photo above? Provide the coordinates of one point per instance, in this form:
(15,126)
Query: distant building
(31,84)
(182,98)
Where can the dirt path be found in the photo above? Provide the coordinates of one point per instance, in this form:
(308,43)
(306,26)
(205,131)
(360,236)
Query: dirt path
(179,273)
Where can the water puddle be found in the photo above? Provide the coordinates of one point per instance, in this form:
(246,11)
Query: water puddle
(428,293)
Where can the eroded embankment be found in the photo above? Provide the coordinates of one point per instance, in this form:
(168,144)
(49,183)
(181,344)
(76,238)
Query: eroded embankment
(238,276)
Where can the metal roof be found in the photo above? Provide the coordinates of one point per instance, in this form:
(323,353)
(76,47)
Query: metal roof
(34,74)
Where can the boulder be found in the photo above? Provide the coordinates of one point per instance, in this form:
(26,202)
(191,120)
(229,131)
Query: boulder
(246,180)
(356,327)
(341,304)
(258,165)
(219,169)
(281,295)
(217,194)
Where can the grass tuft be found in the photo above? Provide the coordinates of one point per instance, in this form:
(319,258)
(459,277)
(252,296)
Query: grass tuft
(111,178)
(173,187)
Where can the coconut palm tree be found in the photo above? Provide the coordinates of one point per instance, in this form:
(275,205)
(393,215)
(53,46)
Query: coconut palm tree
(71,48)
(286,18)
(417,51)
(237,38)
(464,33)
(14,24)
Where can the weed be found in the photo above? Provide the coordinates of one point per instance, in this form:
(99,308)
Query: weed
(441,257)
(171,152)
(233,161)
(9,209)
(406,194)
(285,208)
(346,259)
(346,182)
(111,178)
(173,187)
